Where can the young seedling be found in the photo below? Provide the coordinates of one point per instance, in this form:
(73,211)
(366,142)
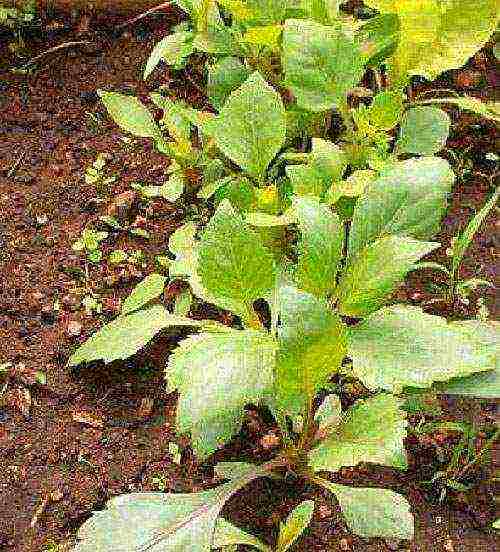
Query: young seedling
(460,243)
(89,242)
(96,175)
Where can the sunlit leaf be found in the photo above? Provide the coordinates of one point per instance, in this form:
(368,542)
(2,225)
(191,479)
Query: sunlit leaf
(294,525)
(372,431)
(217,375)
(127,335)
(373,512)
(374,274)
(401,346)
(173,50)
(150,288)
(130,114)
(409,198)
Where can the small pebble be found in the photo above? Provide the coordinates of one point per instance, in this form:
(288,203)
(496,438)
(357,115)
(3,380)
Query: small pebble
(74,328)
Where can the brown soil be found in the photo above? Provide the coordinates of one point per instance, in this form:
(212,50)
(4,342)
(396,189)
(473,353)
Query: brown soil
(72,442)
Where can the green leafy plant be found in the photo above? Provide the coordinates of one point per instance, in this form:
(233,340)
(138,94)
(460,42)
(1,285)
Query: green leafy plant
(280,235)
(286,360)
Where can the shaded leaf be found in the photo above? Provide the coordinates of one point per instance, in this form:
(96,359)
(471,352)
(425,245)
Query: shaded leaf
(402,346)
(424,131)
(234,267)
(238,130)
(485,384)
(325,164)
(321,64)
(311,348)
(225,76)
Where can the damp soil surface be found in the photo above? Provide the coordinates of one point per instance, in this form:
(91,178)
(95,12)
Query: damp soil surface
(71,439)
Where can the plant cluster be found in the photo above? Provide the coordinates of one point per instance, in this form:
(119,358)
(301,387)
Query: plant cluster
(322,235)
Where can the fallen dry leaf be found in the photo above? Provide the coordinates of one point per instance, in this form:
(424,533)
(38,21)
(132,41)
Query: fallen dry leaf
(88,418)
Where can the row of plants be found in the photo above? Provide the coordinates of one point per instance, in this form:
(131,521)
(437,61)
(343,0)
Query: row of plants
(326,194)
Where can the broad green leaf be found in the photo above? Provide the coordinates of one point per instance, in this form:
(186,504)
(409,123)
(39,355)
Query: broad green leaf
(424,131)
(485,384)
(322,11)
(311,348)
(409,198)
(217,375)
(320,246)
(173,50)
(227,534)
(325,164)
(159,522)
(225,76)
(185,247)
(372,276)
(233,470)
(373,512)
(182,304)
(210,188)
(130,114)
(386,109)
(173,188)
(379,38)
(401,346)
(239,131)
(488,110)
(295,524)
(321,64)
(436,36)
(177,118)
(234,267)
(496,524)
(373,431)
(463,241)
(260,219)
(240,191)
(150,288)
(127,335)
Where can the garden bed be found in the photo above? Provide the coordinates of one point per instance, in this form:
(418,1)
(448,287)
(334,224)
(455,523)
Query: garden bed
(71,439)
